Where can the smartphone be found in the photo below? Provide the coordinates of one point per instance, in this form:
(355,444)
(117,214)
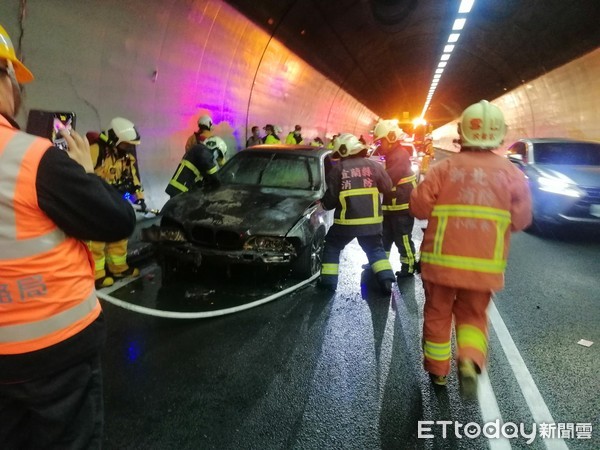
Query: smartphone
(49,123)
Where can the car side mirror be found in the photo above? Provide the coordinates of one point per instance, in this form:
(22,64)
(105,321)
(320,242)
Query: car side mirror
(516,158)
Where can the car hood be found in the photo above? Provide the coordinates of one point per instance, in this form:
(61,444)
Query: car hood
(250,210)
(585,176)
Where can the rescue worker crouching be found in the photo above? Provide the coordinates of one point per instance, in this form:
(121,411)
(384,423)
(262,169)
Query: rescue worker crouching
(198,167)
(397,222)
(353,188)
(472,201)
(114,162)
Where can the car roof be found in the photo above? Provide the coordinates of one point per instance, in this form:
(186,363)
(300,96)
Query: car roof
(306,150)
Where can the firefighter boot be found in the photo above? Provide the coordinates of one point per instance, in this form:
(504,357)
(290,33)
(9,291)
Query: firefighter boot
(131,272)
(467,374)
(438,380)
(104,282)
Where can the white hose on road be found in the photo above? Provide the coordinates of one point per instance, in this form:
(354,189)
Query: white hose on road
(204,314)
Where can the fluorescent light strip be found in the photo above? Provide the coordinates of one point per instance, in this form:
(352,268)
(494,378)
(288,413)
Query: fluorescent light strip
(459,23)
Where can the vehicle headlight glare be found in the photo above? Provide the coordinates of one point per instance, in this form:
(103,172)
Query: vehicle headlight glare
(560,187)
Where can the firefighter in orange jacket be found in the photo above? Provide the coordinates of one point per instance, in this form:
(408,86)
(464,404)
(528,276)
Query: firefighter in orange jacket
(472,201)
(51,323)
(353,188)
(115,163)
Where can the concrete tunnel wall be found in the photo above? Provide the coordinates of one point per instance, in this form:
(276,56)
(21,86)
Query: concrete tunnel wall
(162,64)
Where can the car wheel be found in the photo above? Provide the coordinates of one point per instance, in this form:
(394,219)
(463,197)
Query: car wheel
(309,260)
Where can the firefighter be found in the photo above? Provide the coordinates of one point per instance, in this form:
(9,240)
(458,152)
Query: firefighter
(205,127)
(219,149)
(353,188)
(198,167)
(115,163)
(427,154)
(397,222)
(294,137)
(472,202)
(51,322)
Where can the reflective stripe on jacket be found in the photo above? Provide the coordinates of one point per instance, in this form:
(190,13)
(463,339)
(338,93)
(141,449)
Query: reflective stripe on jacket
(196,164)
(472,201)
(46,278)
(353,188)
(398,199)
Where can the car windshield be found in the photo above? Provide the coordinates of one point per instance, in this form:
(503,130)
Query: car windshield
(277,170)
(572,154)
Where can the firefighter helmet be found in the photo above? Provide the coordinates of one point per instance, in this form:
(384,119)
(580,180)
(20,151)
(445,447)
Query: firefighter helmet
(215,143)
(205,121)
(122,130)
(7,51)
(347,144)
(388,129)
(482,125)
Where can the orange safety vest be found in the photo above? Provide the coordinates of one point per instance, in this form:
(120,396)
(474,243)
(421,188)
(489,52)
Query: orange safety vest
(47,289)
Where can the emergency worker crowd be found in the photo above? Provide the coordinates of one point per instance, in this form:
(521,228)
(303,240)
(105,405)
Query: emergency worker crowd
(65,217)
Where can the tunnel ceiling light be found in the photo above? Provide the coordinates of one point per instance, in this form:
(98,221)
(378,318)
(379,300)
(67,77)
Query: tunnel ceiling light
(459,23)
(465,6)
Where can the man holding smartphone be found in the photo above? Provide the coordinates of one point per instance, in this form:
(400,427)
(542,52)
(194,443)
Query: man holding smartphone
(51,322)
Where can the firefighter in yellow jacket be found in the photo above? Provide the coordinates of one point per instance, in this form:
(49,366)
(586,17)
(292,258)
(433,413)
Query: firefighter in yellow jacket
(114,161)
(472,201)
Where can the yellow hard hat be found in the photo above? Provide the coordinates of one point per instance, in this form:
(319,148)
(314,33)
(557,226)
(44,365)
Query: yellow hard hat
(7,51)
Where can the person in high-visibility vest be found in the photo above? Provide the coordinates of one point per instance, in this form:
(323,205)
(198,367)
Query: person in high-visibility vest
(472,201)
(51,323)
(294,137)
(353,188)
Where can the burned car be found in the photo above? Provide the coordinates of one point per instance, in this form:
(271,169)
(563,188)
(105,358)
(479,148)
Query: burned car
(265,212)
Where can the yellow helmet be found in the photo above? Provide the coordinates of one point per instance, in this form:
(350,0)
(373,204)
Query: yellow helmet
(388,129)
(347,144)
(482,125)
(7,51)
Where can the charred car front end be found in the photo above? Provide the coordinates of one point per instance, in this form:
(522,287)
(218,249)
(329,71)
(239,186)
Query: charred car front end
(266,212)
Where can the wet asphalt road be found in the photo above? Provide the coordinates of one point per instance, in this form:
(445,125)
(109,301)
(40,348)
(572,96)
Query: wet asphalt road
(312,370)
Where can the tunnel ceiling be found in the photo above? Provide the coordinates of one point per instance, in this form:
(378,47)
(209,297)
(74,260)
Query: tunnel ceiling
(385,52)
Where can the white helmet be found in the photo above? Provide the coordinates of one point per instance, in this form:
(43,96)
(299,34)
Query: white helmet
(205,121)
(218,144)
(122,130)
(482,125)
(388,129)
(347,144)
(277,129)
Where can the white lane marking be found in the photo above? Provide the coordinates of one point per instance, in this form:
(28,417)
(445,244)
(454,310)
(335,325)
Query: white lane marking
(199,315)
(537,406)
(490,410)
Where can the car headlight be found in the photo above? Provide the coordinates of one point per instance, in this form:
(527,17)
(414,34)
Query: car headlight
(562,187)
(172,235)
(268,244)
